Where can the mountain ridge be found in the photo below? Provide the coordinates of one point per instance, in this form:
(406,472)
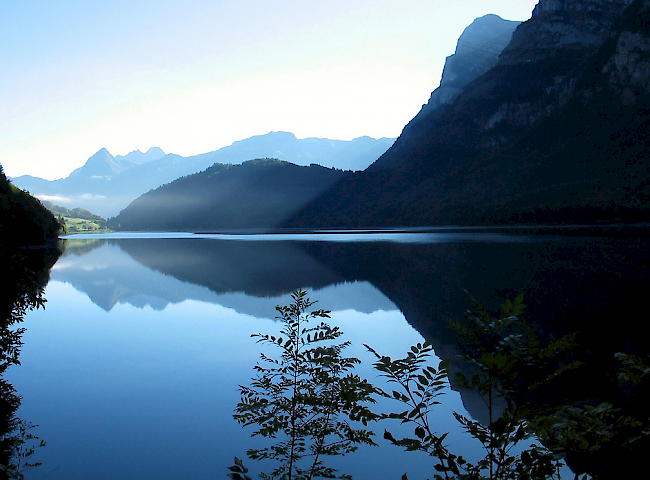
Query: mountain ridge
(256,194)
(478,49)
(107,184)
(555,132)
(102,164)
(137,156)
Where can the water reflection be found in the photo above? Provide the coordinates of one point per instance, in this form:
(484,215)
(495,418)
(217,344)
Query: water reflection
(251,281)
(24,275)
(157,334)
(138,393)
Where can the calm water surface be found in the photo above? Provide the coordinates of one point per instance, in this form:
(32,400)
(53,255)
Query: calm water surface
(132,370)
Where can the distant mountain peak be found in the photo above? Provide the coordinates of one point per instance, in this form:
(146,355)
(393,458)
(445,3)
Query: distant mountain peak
(102,156)
(273,136)
(101,164)
(107,184)
(136,156)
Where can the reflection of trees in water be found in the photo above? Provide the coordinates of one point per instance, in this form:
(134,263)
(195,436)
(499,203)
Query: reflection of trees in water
(24,276)
(80,247)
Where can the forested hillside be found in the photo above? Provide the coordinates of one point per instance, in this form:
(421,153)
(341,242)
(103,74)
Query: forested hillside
(260,193)
(77,220)
(23,219)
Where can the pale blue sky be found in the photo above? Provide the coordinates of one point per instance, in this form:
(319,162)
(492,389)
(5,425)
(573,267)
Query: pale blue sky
(191,76)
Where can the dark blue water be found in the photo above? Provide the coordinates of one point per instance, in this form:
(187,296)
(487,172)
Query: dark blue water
(132,370)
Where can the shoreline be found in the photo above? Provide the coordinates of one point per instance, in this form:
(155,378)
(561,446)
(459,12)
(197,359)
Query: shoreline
(551,230)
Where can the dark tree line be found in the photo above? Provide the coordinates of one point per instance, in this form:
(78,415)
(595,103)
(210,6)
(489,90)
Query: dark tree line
(24,222)
(23,219)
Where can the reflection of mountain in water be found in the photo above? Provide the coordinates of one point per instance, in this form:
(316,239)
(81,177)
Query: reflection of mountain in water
(260,269)
(249,278)
(109,277)
(572,283)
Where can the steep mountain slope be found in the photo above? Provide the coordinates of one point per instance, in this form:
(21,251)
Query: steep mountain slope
(256,194)
(107,184)
(556,131)
(477,51)
(102,164)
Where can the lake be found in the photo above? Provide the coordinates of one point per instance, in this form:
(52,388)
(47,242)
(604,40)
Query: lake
(132,370)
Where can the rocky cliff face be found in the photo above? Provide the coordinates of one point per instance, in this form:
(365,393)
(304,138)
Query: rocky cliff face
(627,70)
(536,74)
(556,132)
(477,51)
(557,45)
(579,24)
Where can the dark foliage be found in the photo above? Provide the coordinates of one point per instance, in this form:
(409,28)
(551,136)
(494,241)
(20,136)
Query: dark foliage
(502,349)
(24,222)
(23,219)
(304,398)
(256,194)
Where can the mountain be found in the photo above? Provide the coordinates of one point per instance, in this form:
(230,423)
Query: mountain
(102,165)
(136,156)
(258,193)
(354,154)
(556,131)
(107,184)
(477,50)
